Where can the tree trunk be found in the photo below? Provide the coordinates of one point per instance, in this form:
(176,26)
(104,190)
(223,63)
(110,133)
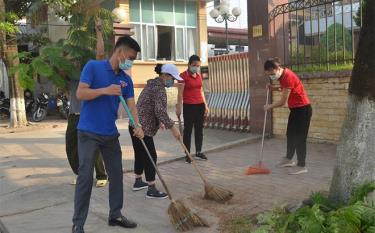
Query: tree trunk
(356,148)
(17,102)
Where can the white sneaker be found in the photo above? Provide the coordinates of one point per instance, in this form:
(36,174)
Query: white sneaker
(74,181)
(297,170)
(285,162)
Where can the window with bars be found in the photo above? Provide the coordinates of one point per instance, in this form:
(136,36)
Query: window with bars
(165,29)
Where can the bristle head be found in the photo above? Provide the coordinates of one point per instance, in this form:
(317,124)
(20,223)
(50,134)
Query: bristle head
(217,193)
(182,218)
(257,170)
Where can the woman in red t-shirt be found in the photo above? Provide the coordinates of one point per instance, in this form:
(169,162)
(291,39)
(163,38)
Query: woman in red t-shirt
(293,92)
(191,98)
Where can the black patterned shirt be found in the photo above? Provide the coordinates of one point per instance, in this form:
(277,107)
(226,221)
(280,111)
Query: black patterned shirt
(152,107)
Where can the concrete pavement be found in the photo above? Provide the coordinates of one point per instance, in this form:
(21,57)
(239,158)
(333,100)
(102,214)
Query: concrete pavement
(35,195)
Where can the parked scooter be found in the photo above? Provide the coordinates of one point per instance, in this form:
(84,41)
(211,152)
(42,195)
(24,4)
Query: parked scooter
(62,105)
(29,102)
(40,107)
(4,106)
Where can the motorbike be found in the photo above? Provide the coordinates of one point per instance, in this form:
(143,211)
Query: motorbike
(4,106)
(40,107)
(29,102)
(62,105)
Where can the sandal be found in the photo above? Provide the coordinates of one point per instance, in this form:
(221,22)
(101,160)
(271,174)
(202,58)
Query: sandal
(101,183)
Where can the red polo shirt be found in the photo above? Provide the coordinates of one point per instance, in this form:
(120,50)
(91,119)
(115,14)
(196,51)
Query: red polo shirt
(297,97)
(193,88)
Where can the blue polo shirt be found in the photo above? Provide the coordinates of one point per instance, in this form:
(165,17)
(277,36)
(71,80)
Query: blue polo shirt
(98,115)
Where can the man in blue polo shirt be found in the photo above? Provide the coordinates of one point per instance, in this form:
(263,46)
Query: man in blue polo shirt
(100,85)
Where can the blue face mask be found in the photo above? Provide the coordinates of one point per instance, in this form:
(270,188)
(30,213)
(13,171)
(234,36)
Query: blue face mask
(126,65)
(169,83)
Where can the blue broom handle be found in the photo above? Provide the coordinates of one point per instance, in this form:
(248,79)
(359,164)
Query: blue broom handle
(131,118)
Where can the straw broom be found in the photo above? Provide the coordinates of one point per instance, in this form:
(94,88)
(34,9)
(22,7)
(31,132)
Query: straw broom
(211,192)
(181,217)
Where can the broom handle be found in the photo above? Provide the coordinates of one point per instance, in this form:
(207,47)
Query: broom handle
(189,155)
(132,122)
(264,128)
(193,161)
(180,124)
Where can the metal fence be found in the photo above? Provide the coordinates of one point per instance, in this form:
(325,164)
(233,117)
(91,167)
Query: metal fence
(229,95)
(317,34)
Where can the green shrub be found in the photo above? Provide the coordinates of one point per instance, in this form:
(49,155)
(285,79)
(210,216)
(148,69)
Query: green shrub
(319,215)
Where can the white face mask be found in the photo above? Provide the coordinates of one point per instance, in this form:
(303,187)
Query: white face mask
(276,76)
(194,69)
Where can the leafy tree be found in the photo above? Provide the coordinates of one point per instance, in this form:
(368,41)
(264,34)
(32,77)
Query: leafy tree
(343,38)
(9,52)
(56,61)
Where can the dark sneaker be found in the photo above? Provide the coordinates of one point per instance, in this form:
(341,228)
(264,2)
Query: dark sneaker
(201,156)
(122,222)
(139,185)
(77,229)
(187,160)
(152,192)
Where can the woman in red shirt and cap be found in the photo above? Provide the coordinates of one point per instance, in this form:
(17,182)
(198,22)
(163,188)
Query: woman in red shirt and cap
(293,92)
(195,108)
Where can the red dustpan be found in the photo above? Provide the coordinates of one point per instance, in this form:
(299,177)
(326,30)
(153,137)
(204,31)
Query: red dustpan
(258,168)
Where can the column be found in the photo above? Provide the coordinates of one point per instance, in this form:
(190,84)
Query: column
(202,32)
(261,47)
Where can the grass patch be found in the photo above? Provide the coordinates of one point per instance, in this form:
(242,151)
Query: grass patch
(309,68)
(239,224)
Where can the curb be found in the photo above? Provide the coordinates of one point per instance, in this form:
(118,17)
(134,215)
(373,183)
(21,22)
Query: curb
(30,128)
(223,147)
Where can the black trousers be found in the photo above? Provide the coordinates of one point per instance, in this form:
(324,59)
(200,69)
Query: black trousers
(298,128)
(141,160)
(71,147)
(193,117)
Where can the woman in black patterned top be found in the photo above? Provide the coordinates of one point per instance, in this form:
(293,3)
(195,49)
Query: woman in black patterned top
(152,111)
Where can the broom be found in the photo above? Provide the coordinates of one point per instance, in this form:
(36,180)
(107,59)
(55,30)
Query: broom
(181,217)
(211,192)
(259,169)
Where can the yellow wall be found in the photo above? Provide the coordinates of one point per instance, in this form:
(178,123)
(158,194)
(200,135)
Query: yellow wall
(142,71)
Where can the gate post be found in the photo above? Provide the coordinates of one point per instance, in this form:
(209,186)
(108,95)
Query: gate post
(262,46)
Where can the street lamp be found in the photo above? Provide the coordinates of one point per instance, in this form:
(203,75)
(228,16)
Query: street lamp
(223,15)
(120,14)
